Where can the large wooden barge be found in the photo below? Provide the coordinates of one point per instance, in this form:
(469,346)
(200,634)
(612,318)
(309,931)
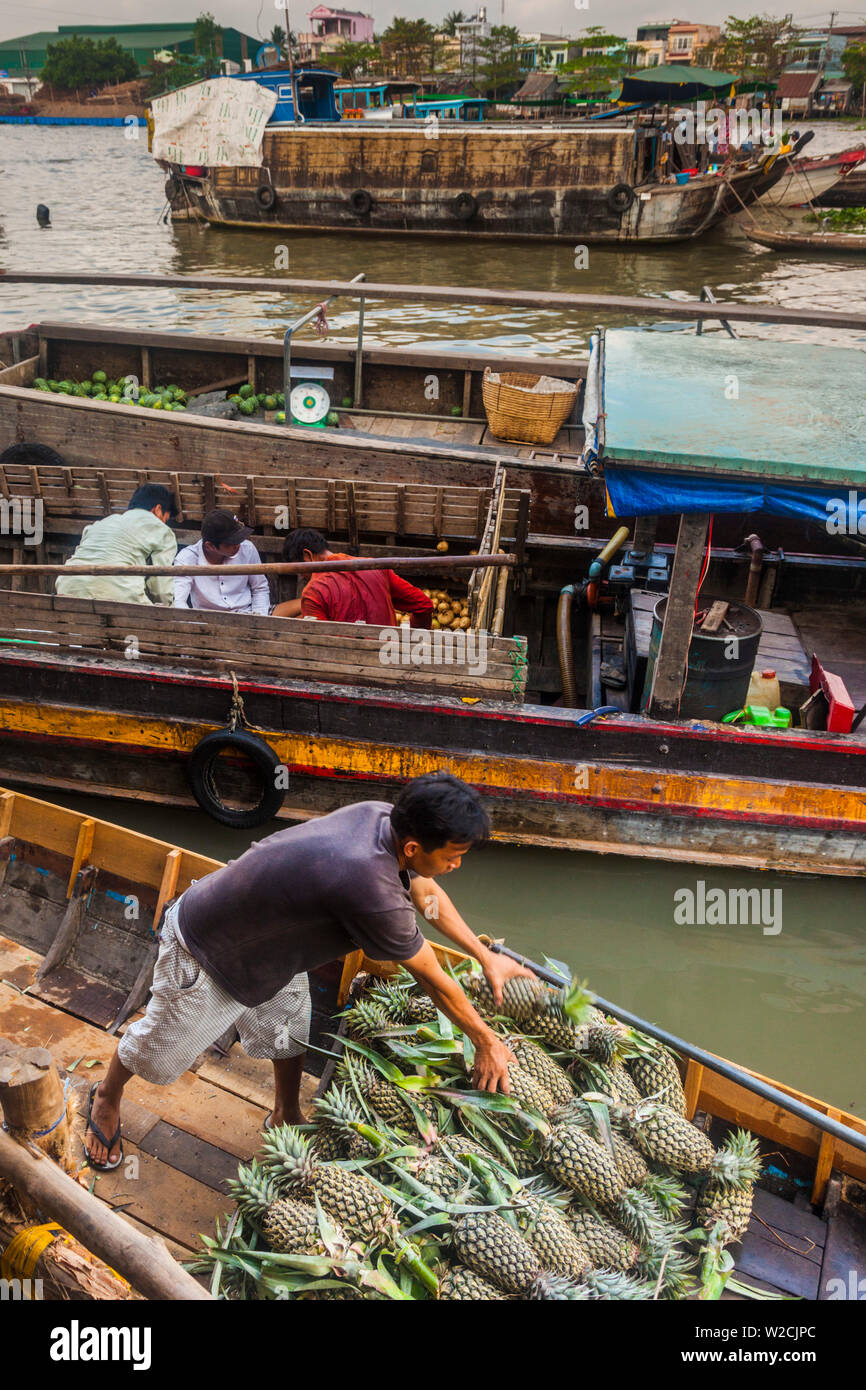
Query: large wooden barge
(579,182)
(76,964)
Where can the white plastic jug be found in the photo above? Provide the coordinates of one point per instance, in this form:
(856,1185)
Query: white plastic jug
(764,689)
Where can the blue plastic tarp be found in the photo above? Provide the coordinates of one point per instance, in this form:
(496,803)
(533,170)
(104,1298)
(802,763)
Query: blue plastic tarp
(639,492)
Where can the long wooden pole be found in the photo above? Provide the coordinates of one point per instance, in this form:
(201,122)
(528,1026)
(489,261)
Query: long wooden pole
(359,562)
(144,1262)
(689,309)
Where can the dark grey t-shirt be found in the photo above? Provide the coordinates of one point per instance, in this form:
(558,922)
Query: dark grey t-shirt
(301,898)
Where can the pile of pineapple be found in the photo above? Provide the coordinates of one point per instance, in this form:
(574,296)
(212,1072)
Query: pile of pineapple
(586,1182)
(449,611)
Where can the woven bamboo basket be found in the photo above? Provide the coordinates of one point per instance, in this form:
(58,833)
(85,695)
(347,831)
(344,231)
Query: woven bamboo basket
(517,413)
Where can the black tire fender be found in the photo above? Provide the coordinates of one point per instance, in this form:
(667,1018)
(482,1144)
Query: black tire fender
(620,197)
(256,751)
(360,201)
(465,205)
(265,196)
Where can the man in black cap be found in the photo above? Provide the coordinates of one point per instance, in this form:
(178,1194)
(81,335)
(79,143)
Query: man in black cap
(224,543)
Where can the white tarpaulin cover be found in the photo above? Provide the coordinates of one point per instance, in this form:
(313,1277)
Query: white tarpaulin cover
(219,122)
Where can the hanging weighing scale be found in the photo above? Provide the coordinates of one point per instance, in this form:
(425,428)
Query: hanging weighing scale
(309,404)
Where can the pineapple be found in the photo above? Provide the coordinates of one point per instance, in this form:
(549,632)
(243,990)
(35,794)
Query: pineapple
(351,1198)
(387,1099)
(420,1009)
(639,1217)
(667,1137)
(655,1073)
(521,997)
(578,1161)
(607,1246)
(457,1284)
(534,1060)
(727,1192)
(551,1237)
(288,1226)
(366,1019)
(490,1247)
(609,1284)
(629,1161)
(336,1135)
(529,1093)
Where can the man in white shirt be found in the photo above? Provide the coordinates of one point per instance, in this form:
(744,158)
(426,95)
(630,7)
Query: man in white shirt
(224,543)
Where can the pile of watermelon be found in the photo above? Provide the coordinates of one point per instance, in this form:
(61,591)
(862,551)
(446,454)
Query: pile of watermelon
(248,401)
(123,391)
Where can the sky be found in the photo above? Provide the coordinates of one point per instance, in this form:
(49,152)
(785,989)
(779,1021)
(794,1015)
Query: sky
(257,17)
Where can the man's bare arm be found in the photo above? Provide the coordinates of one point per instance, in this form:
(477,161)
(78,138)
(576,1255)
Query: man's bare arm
(436,907)
(490,1072)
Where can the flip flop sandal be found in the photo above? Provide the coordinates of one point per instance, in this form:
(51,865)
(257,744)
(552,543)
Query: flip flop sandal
(109,1143)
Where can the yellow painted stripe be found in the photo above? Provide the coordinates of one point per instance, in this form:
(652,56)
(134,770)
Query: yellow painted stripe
(578,782)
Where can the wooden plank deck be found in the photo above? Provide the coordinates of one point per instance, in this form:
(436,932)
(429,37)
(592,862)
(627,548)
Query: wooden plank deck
(187,1138)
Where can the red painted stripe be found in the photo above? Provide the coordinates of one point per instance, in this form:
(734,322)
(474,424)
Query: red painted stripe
(839,744)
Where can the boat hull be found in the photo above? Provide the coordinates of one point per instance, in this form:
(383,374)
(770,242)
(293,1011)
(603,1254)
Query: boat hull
(482,182)
(698,794)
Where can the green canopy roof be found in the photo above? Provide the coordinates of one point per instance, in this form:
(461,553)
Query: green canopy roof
(675,82)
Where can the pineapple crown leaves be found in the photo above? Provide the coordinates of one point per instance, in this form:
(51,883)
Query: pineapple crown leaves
(638,1044)
(575,1001)
(667,1193)
(639,1217)
(287,1157)
(254,1190)
(737,1162)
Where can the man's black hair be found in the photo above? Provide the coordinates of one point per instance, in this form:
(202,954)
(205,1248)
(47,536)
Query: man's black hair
(151,495)
(439,809)
(305,538)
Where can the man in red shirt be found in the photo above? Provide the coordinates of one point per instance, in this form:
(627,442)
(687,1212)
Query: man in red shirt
(365,596)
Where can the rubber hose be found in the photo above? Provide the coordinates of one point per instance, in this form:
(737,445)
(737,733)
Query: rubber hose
(563,642)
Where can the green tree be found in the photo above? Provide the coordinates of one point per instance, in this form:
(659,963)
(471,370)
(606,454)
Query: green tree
(278,39)
(499,57)
(206,34)
(854,64)
(353,59)
(409,44)
(450,22)
(758,47)
(76,63)
(598,64)
(167,77)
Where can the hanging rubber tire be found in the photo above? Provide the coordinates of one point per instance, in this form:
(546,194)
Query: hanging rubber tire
(465,205)
(256,751)
(360,202)
(172,187)
(265,196)
(620,197)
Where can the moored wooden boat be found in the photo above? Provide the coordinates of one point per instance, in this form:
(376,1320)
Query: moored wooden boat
(819,243)
(102,888)
(589,181)
(332,711)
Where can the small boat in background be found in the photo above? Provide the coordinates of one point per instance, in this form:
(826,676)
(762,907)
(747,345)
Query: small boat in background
(809,179)
(822,243)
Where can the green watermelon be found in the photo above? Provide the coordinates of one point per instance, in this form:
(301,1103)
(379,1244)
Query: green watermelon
(333,418)
(270,402)
(100,377)
(249,406)
(246,391)
(280,417)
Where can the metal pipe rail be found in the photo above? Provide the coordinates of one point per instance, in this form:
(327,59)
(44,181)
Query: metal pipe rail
(688,309)
(299,323)
(353,563)
(707,1059)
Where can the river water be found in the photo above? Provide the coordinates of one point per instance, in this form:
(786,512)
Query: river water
(106,198)
(791,1003)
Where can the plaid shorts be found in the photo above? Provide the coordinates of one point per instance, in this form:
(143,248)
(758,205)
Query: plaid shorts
(188,1011)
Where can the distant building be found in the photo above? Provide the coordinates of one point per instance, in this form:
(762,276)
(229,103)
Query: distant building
(469,34)
(545,52)
(330,29)
(796,91)
(28,54)
(686,40)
